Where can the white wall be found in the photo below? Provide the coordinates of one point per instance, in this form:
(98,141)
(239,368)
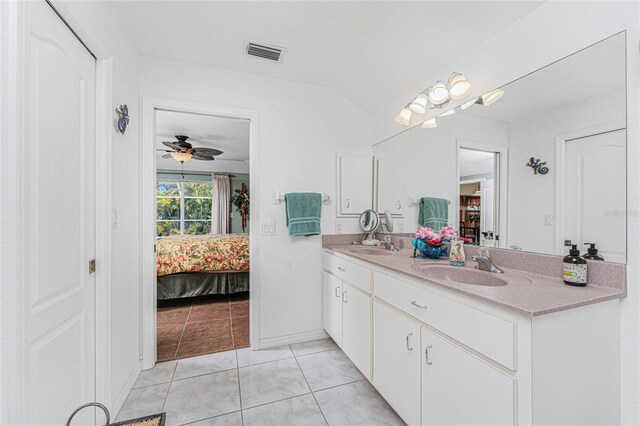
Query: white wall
(429,160)
(551,32)
(301,129)
(531,197)
(98,24)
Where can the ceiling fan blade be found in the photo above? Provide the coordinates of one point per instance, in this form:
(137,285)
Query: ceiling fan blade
(183,145)
(165,150)
(172,145)
(206,151)
(166,156)
(202,157)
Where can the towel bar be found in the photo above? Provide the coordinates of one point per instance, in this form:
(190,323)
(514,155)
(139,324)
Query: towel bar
(416,201)
(278,198)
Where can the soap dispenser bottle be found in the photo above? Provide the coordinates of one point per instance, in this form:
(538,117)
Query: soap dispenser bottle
(592,252)
(456,251)
(574,268)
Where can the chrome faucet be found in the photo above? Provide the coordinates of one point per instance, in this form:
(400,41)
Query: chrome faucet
(386,242)
(485,263)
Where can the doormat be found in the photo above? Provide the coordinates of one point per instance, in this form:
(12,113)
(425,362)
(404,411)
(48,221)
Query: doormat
(154,420)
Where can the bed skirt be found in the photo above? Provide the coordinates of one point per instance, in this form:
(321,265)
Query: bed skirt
(176,286)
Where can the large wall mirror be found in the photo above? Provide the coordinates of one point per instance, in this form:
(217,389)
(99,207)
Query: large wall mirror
(540,168)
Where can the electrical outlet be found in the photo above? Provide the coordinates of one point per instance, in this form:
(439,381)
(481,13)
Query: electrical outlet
(269,229)
(338,227)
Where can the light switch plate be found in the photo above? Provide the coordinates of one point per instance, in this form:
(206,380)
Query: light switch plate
(548,219)
(269,229)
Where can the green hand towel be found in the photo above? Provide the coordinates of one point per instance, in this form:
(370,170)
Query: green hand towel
(303,213)
(433,212)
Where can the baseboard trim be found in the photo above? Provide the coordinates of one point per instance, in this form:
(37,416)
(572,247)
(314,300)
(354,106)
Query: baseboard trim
(120,399)
(290,339)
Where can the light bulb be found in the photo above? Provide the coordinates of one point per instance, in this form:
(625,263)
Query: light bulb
(404,116)
(459,86)
(419,104)
(429,124)
(181,157)
(492,97)
(450,112)
(438,93)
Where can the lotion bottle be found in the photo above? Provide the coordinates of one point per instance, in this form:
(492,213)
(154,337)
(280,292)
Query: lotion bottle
(456,251)
(574,268)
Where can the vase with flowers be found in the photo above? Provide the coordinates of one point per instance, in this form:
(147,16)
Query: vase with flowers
(431,243)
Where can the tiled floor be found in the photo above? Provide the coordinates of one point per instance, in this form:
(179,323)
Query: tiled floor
(203,328)
(311,383)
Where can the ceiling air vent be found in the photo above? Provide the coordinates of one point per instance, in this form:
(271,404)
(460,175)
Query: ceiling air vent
(264,51)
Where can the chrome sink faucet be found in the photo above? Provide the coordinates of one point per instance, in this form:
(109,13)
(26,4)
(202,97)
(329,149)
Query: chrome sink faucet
(386,242)
(485,263)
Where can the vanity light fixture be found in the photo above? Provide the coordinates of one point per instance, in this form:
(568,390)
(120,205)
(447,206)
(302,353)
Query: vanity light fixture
(491,97)
(438,93)
(419,104)
(468,104)
(450,112)
(404,116)
(429,124)
(459,86)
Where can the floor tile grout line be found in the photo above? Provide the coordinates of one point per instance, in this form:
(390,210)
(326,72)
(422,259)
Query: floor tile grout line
(312,394)
(279,400)
(239,388)
(213,417)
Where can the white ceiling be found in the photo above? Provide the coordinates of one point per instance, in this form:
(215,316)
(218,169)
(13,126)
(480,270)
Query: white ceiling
(226,134)
(475,162)
(368,51)
(593,72)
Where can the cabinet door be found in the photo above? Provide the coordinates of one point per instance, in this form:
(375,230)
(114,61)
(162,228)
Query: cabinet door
(459,388)
(389,187)
(356,327)
(396,361)
(332,306)
(355,183)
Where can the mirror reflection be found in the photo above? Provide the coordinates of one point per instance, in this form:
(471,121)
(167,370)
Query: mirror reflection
(539,169)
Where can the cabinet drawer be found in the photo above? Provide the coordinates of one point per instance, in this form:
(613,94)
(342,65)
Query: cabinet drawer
(356,275)
(492,336)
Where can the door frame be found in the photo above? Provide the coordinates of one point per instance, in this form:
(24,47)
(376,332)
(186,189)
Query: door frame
(501,210)
(147,208)
(561,141)
(12,296)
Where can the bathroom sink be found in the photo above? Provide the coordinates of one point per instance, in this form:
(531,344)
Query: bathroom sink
(460,275)
(370,251)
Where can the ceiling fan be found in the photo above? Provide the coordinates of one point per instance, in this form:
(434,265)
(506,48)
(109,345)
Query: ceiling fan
(182,151)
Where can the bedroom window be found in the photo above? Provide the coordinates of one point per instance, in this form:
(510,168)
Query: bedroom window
(183,208)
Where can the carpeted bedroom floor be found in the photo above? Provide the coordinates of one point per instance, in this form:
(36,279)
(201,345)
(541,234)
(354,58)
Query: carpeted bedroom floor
(203,328)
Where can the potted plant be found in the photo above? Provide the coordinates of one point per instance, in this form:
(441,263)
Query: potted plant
(241,201)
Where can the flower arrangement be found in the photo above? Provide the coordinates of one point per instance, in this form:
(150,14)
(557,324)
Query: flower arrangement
(430,242)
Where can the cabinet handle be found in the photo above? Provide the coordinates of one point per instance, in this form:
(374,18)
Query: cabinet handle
(340,268)
(399,205)
(409,348)
(337,292)
(344,296)
(426,355)
(347,203)
(414,303)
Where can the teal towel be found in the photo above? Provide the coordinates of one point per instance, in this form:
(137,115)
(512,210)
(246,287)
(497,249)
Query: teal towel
(434,213)
(303,213)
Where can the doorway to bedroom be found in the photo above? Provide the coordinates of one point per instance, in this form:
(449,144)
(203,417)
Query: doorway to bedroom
(202,203)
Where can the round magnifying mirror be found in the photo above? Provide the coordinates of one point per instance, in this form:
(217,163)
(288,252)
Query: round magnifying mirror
(369,220)
(388,222)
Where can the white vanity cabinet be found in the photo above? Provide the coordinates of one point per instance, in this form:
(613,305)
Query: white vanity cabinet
(459,388)
(396,359)
(355,182)
(347,309)
(440,357)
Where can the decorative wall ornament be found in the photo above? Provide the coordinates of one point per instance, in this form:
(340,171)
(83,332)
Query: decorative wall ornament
(123,120)
(538,166)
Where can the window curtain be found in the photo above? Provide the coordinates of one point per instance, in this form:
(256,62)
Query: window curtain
(220,205)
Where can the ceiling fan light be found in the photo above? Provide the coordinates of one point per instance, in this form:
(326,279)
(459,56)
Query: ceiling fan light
(450,112)
(429,124)
(438,93)
(459,86)
(181,157)
(404,116)
(492,97)
(419,104)
(468,104)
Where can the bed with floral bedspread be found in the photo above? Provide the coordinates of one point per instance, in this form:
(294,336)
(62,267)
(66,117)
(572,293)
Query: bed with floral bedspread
(195,265)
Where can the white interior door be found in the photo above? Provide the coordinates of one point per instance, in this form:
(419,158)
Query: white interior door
(595,193)
(487,211)
(59,184)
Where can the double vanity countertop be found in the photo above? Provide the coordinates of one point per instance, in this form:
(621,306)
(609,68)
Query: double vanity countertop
(525,292)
